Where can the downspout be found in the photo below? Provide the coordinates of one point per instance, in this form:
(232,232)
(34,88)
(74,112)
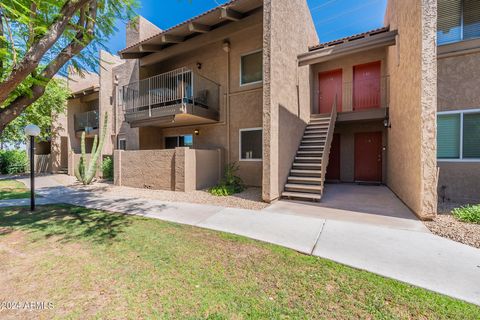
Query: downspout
(226,48)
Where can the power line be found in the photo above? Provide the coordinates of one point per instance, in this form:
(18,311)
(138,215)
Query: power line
(346,12)
(323,5)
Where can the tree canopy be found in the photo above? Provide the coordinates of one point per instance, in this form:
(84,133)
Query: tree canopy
(53,101)
(39,37)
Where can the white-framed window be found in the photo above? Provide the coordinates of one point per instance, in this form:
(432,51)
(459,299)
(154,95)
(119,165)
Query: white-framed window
(458,135)
(172,142)
(251,144)
(458,20)
(251,68)
(120,96)
(122,144)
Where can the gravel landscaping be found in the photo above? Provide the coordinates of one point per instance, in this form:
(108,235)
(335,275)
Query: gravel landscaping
(445,225)
(251,198)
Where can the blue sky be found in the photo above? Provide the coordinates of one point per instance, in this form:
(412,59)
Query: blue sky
(333,18)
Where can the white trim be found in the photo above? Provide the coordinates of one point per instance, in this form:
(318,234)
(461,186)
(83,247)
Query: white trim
(240,144)
(461,113)
(240,71)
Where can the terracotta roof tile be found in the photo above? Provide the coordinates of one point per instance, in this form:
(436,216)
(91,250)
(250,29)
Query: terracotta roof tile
(349,38)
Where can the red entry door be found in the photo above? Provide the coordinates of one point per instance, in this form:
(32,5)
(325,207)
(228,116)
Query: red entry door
(366,86)
(333,170)
(330,85)
(368,156)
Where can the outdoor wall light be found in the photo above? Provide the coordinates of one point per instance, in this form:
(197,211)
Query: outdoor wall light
(32,131)
(197,132)
(386,123)
(199,65)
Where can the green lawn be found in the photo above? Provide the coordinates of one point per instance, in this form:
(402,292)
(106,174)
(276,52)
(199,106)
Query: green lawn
(11,189)
(92,264)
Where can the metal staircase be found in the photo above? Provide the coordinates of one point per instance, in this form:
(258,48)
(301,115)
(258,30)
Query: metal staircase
(307,175)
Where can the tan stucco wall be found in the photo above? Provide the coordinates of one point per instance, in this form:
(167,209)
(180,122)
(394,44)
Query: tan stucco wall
(459,182)
(458,89)
(288,31)
(411,168)
(180,169)
(459,82)
(347,147)
(346,63)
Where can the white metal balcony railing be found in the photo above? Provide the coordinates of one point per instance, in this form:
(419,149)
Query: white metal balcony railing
(86,121)
(178,87)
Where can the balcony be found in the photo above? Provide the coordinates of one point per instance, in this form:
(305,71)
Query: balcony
(366,99)
(178,97)
(86,122)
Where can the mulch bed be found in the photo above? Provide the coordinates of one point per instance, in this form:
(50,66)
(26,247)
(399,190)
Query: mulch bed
(445,225)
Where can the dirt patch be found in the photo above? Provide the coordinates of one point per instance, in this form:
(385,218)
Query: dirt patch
(445,225)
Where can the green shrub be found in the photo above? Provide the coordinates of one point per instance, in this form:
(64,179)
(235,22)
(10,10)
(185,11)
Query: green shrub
(107,168)
(13,161)
(468,213)
(230,184)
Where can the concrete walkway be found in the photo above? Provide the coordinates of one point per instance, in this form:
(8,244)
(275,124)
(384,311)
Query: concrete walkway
(404,252)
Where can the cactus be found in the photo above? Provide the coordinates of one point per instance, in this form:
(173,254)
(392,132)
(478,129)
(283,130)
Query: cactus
(86,172)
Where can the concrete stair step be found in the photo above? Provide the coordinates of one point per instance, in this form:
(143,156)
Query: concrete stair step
(316,127)
(313,159)
(315,131)
(307,165)
(302,195)
(306,172)
(305,180)
(298,186)
(307,147)
(314,136)
(320,115)
(319,141)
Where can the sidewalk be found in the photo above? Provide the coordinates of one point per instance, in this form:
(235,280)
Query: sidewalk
(414,257)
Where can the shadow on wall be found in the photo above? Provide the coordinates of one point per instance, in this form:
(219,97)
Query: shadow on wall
(290,132)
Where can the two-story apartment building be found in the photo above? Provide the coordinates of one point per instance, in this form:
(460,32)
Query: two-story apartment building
(250,82)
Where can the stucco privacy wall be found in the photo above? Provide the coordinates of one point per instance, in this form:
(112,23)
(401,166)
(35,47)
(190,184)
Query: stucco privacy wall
(411,168)
(458,89)
(288,31)
(180,169)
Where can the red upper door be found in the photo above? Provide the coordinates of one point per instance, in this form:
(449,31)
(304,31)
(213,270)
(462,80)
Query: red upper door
(366,86)
(368,156)
(330,85)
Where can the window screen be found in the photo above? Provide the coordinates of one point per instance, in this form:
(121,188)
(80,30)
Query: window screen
(471,135)
(448,136)
(449,21)
(471,19)
(251,144)
(458,20)
(252,68)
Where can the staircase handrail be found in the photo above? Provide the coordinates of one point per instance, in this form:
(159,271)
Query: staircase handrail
(328,141)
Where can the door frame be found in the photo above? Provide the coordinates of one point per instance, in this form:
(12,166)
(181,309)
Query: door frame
(380,133)
(379,63)
(340,96)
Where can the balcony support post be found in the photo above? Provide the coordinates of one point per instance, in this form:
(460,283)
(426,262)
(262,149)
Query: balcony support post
(149,97)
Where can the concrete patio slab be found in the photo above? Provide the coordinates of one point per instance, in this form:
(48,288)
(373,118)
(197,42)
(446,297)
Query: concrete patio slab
(375,205)
(298,233)
(423,259)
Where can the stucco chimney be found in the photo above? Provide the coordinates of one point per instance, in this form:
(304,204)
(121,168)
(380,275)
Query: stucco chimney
(139,29)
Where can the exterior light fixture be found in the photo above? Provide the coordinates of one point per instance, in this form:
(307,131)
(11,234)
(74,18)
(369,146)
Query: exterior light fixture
(199,65)
(197,132)
(386,123)
(32,131)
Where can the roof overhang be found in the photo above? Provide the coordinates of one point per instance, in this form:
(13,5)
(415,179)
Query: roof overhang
(351,46)
(85,92)
(232,11)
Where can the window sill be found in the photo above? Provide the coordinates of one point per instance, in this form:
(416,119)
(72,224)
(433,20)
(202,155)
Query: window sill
(459,160)
(458,48)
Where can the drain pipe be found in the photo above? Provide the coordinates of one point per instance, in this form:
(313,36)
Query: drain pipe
(226,48)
